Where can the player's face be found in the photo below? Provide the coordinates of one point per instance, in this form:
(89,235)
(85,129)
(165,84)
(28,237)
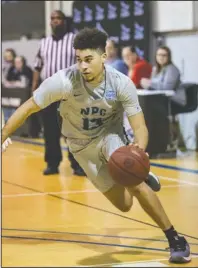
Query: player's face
(162,56)
(90,63)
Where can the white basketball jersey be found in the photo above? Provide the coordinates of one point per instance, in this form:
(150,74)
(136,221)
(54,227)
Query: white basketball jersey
(89,112)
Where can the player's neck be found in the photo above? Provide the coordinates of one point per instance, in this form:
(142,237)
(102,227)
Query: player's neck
(100,77)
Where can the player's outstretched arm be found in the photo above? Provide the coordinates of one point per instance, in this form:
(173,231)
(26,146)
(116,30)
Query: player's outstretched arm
(19,117)
(54,88)
(8,141)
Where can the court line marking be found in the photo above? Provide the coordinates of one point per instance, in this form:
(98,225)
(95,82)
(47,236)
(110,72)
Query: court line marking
(140,264)
(88,234)
(85,242)
(130,262)
(73,192)
(175,186)
(93,207)
(48,193)
(194,171)
(30,151)
(179,180)
(161,177)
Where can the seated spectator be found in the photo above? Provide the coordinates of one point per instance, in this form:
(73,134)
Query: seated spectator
(165,75)
(138,68)
(8,62)
(113,59)
(20,75)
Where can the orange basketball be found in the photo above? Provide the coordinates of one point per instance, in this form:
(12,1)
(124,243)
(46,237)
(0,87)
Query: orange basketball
(129,165)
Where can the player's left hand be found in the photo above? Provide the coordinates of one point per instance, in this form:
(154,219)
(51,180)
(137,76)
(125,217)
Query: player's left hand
(6,144)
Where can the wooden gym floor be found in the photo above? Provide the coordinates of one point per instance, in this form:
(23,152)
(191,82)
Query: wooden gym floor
(62,220)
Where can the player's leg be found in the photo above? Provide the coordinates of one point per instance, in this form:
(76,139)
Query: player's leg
(147,198)
(151,204)
(95,167)
(92,159)
(180,251)
(121,199)
(118,195)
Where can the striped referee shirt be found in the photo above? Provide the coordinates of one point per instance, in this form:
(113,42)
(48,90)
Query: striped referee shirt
(54,55)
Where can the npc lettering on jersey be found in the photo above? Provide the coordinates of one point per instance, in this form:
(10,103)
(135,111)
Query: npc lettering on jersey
(97,112)
(92,123)
(93,111)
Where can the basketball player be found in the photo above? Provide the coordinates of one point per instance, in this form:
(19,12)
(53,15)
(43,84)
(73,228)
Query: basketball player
(93,97)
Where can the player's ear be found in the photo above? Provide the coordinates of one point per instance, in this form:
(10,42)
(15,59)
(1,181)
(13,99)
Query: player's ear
(104,57)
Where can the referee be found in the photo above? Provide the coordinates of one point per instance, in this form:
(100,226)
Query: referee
(55,53)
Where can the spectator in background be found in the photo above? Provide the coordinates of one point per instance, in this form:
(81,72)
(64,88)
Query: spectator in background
(138,68)
(55,53)
(19,75)
(8,62)
(119,65)
(165,75)
(113,59)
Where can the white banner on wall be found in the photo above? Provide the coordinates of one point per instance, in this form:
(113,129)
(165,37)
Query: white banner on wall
(173,16)
(184,49)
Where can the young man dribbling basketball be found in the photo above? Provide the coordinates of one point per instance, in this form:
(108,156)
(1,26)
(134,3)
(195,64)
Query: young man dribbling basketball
(93,97)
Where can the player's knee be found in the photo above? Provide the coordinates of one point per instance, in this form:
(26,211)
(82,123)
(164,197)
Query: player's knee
(125,207)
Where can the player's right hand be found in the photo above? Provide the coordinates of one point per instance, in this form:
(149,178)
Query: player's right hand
(136,145)
(6,144)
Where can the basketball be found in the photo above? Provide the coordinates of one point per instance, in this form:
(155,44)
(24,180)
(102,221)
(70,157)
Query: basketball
(129,165)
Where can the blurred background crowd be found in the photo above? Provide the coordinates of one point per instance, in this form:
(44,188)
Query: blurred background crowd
(155,43)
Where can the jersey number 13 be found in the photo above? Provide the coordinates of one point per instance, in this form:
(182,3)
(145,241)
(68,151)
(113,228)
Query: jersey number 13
(89,124)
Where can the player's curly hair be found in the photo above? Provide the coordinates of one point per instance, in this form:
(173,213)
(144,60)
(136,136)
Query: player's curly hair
(90,38)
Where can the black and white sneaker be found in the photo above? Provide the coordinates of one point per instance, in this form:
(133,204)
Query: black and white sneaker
(153,182)
(179,251)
